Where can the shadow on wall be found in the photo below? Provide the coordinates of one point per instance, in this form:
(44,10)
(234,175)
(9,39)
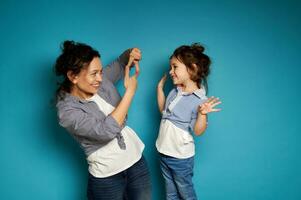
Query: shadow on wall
(69,156)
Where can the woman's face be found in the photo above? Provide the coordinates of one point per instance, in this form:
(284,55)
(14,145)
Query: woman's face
(178,72)
(87,82)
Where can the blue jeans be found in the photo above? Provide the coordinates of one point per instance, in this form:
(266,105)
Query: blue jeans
(177,174)
(130,184)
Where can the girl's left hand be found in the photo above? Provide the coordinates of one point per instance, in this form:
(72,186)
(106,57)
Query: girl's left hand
(209,105)
(135,57)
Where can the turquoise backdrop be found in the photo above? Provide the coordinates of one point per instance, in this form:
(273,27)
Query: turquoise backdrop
(251,150)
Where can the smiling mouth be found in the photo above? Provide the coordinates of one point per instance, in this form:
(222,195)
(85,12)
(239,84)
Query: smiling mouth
(96,85)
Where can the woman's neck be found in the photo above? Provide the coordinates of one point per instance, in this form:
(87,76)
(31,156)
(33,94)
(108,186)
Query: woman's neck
(78,93)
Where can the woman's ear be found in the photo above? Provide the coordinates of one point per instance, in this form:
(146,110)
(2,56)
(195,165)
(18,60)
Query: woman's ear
(72,77)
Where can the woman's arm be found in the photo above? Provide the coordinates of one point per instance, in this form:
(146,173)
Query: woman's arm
(115,70)
(160,93)
(130,83)
(85,125)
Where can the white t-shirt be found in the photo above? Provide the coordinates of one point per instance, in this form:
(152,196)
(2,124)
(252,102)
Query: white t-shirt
(111,159)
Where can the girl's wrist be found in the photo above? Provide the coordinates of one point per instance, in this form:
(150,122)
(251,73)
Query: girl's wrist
(202,114)
(159,87)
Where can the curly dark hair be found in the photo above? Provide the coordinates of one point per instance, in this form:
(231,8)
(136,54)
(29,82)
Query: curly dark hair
(75,57)
(193,56)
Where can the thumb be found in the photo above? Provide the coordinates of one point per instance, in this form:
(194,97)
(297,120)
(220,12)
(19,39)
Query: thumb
(137,67)
(127,73)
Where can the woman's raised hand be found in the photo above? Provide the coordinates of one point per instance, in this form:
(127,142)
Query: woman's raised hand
(134,58)
(130,83)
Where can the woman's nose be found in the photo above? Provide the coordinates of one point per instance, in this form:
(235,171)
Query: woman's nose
(99,77)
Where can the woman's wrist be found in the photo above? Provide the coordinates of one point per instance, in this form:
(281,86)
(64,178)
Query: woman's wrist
(130,91)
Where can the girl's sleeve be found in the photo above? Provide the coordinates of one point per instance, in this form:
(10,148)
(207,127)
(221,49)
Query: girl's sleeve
(115,70)
(83,124)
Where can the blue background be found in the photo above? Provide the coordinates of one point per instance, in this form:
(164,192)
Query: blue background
(251,150)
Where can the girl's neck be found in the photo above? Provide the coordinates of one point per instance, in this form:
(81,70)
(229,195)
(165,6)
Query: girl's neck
(189,86)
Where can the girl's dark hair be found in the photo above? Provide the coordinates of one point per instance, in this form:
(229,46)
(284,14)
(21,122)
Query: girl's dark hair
(75,56)
(193,56)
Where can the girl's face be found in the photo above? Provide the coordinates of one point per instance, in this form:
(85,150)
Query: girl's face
(178,72)
(87,82)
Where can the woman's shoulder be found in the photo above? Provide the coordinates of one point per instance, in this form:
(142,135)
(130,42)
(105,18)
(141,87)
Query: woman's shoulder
(69,102)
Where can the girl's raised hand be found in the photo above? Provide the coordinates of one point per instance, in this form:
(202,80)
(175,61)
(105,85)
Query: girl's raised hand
(209,105)
(162,81)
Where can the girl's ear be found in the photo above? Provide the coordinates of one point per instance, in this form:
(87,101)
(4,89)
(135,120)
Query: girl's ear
(72,77)
(194,69)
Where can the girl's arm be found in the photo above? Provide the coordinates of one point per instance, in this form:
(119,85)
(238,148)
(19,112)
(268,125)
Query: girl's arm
(200,124)
(205,108)
(160,93)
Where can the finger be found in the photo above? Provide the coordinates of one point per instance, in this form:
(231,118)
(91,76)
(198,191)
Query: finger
(131,60)
(137,67)
(136,53)
(216,110)
(210,99)
(127,72)
(215,104)
(135,49)
(137,56)
(213,101)
(204,104)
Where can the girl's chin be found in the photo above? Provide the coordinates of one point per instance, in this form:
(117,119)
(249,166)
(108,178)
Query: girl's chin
(175,82)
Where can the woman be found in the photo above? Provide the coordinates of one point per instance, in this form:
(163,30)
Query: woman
(91,109)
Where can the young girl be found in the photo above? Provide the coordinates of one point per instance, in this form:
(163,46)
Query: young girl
(184,110)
